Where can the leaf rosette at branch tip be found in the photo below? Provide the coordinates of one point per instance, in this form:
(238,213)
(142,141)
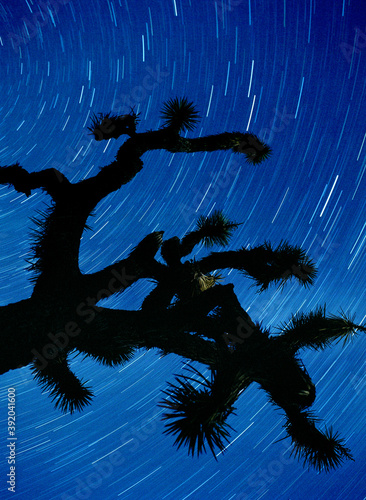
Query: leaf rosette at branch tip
(322,451)
(179,114)
(67,392)
(216,229)
(199,417)
(18,178)
(317,330)
(265,265)
(107,126)
(254,148)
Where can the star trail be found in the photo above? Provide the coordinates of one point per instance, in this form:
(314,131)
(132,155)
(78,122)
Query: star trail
(294,74)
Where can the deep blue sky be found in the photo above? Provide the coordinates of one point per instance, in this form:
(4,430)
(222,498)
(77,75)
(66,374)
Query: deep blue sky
(295,73)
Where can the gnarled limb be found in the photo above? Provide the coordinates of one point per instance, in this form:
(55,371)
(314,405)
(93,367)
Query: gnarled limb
(128,159)
(165,331)
(178,329)
(139,264)
(50,180)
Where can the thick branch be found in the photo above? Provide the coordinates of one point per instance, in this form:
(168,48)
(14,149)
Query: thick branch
(170,330)
(128,162)
(134,329)
(50,180)
(118,276)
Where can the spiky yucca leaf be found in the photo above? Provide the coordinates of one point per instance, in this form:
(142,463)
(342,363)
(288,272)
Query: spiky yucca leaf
(179,114)
(198,417)
(323,451)
(216,229)
(111,352)
(255,150)
(265,265)
(40,241)
(105,126)
(316,330)
(67,392)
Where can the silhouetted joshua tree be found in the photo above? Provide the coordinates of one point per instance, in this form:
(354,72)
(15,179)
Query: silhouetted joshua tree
(188,312)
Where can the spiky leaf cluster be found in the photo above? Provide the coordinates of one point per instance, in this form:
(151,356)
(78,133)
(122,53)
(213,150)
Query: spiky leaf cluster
(40,236)
(315,330)
(216,229)
(114,353)
(323,451)
(66,391)
(204,282)
(196,417)
(265,264)
(255,150)
(105,126)
(200,283)
(179,114)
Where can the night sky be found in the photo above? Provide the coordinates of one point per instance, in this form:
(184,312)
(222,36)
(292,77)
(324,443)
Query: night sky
(294,74)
